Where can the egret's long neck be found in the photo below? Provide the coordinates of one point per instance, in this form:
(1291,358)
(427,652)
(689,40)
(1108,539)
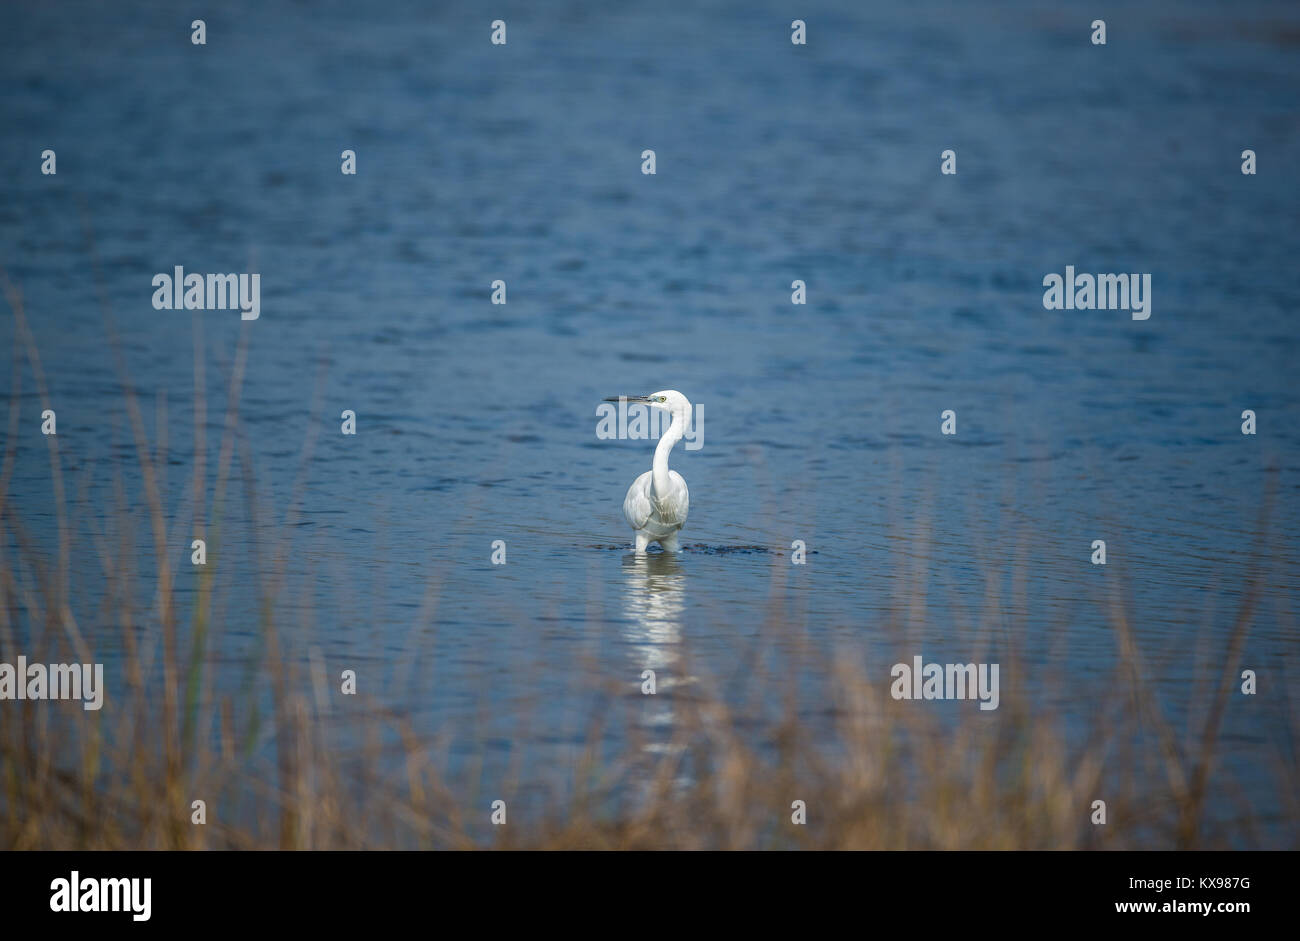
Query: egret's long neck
(659,468)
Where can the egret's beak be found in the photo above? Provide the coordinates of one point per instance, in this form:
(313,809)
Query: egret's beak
(629,398)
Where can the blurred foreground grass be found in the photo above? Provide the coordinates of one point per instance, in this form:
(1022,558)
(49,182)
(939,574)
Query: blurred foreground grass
(887,776)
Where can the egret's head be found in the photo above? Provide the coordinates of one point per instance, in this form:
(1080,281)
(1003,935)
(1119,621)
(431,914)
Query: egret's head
(670,400)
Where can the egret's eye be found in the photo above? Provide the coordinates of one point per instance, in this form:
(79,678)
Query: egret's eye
(662,398)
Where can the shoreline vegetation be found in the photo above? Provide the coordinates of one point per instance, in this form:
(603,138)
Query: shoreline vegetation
(880,774)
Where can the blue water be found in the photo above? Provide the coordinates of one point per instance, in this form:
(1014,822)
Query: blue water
(477,422)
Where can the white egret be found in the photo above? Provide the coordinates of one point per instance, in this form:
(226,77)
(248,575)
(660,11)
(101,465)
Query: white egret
(658,501)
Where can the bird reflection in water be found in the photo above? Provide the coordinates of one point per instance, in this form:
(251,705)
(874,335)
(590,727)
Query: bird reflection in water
(654,597)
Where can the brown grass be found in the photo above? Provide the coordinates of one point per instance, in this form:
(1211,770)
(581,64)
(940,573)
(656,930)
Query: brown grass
(876,774)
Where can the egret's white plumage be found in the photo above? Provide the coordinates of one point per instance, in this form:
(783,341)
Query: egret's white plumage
(658,501)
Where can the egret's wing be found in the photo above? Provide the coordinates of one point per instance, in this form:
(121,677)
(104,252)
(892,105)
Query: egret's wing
(674,505)
(636,505)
